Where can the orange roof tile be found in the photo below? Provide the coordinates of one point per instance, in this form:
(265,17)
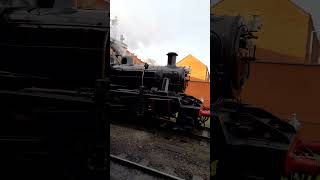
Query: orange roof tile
(135,59)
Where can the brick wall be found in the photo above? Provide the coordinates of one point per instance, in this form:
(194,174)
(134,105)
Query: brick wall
(199,89)
(284,89)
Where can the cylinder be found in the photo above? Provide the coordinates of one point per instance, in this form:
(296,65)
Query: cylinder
(172,58)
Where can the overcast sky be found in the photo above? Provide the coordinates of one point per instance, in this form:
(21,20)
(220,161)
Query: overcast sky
(153,28)
(311,6)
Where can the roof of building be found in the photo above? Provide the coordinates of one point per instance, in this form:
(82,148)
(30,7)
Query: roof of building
(135,59)
(199,70)
(192,61)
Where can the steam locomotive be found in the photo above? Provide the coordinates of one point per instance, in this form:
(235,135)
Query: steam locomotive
(154,92)
(248,141)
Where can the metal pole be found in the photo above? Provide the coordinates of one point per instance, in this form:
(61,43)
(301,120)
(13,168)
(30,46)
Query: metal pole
(311,44)
(105,61)
(142,78)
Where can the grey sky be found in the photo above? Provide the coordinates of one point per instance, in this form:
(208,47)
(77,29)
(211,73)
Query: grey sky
(310,6)
(155,27)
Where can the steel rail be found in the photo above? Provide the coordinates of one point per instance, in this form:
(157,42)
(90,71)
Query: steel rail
(146,169)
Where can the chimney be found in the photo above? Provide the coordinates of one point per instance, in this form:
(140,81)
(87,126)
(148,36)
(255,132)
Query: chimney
(172,57)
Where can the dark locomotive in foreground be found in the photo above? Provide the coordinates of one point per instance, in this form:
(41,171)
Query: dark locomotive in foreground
(54,92)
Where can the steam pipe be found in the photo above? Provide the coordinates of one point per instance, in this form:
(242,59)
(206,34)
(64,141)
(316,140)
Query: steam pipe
(172,58)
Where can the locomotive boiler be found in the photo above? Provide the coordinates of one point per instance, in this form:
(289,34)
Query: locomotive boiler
(158,78)
(249,141)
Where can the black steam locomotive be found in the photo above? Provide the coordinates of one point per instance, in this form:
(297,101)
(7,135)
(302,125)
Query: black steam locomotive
(153,92)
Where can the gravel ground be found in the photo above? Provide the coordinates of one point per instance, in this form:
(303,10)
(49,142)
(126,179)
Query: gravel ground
(182,157)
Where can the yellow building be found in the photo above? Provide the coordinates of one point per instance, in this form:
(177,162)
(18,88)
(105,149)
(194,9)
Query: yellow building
(199,71)
(286,28)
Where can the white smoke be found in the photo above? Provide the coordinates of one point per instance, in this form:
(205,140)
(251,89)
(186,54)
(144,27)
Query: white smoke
(154,28)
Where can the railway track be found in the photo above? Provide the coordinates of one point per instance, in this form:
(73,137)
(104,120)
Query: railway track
(165,151)
(135,170)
